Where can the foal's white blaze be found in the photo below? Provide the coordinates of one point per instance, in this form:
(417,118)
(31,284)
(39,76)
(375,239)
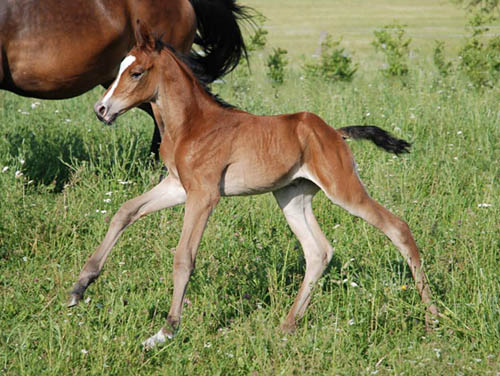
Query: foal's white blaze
(124,65)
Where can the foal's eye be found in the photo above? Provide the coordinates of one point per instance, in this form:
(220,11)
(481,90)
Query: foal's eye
(136,74)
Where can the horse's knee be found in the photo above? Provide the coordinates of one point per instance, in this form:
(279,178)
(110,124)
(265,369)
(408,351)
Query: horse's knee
(183,263)
(125,215)
(400,231)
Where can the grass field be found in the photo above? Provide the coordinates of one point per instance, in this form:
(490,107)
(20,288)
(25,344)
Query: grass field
(297,25)
(63,175)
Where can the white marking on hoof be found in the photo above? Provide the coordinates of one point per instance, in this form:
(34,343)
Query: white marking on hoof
(158,339)
(73,301)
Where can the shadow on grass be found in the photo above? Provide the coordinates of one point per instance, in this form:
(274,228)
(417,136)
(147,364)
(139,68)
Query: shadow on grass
(49,152)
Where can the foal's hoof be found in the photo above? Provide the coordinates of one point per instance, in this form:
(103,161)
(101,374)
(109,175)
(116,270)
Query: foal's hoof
(288,328)
(74,299)
(432,318)
(158,339)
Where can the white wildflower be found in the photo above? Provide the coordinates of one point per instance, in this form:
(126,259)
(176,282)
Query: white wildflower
(18,174)
(438,353)
(5,169)
(484,205)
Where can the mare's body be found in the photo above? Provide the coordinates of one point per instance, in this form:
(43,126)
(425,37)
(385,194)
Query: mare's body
(54,49)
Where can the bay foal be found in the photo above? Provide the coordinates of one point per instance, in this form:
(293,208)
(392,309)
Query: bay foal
(213,150)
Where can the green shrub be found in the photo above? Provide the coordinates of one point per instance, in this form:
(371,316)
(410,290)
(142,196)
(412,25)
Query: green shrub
(392,42)
(480,61)
(334,64)
(444,67)
(276,63)
(480,56)
(258,39)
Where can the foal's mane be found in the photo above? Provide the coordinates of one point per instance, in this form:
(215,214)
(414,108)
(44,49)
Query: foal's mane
(194,66)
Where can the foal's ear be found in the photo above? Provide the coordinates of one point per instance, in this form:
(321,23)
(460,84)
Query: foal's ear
(143,36)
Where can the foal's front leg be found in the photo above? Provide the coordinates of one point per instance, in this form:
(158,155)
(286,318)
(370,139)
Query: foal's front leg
(167,193)
(199,206)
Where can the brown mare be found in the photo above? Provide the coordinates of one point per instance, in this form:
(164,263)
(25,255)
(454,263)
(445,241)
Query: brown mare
(55,49)
(213,150)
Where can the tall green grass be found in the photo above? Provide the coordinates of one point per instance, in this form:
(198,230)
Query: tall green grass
(76,173)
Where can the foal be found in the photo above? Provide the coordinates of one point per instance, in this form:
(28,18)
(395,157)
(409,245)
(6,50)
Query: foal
(213,150)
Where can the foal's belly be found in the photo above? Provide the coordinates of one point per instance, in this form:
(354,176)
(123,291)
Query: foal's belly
(241,179)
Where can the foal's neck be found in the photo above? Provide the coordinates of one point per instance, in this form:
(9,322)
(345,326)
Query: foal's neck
(182,102)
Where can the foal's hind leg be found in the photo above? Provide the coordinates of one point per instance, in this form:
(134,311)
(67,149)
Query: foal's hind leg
(166,194)
(296,202)
(346,190)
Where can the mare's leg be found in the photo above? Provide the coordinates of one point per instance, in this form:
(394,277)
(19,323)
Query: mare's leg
(156,141)
(343,187)
(296,202)
(167,193)
(2,74)
(199,205)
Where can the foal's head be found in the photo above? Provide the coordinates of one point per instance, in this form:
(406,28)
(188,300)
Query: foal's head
(137,80)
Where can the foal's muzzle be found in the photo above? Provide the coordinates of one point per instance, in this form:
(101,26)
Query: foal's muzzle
(103,113)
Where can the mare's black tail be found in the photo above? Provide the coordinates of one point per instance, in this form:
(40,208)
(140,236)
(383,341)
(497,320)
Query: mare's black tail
(378,136)
(219,36)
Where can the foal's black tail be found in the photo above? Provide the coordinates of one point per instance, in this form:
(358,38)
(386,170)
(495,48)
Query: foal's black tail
(219,36)
(378,136)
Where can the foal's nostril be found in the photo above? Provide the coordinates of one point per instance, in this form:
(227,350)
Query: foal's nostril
(101,110)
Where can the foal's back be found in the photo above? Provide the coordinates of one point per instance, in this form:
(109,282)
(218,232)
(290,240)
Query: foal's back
(258,154)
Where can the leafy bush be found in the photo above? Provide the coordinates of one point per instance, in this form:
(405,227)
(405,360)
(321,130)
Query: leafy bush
(392,42)
(276,63)
(258,39)
(480,56)
(444,67)
(480,61)
(334,64)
